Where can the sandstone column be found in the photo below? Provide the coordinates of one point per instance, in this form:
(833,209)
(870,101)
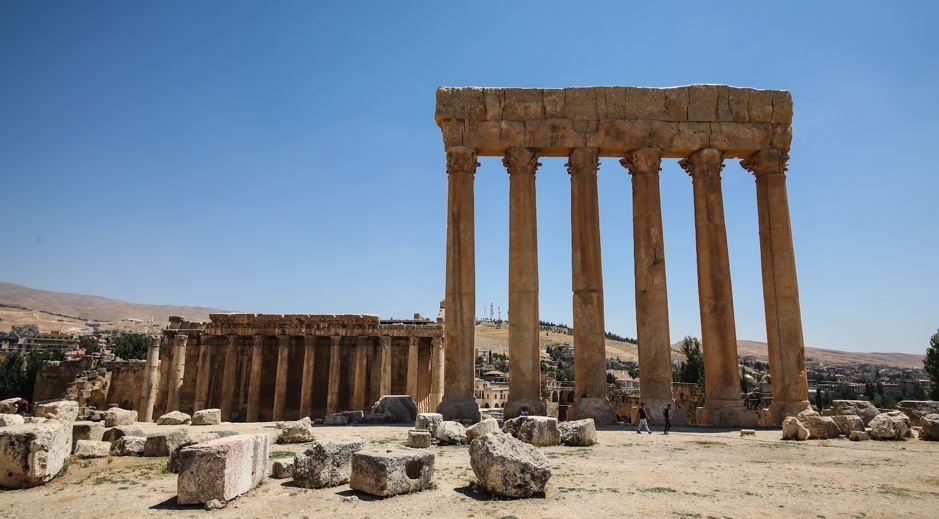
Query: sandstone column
(177,372)
(280,383)
(655,354)
(524,353)
(306,383)
(254,384)
(358,393)
(332,397)
(163,387)
(228,377)
(202,375)
(385,345)
(723,406)
(589,333)
(413,352)
(436,371)
(458,401)
(151,381)
(780,286)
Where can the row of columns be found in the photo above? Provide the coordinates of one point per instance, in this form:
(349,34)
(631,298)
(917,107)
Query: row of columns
(723,404)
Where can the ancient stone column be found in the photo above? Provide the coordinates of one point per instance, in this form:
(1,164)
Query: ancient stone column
(332,396)
(202,376)
(306,383)
(458,401)
(385,345)
(178,371)
(151,381)
(589,334)
(228,377)
(524,353)
(280,383)
(655,353)
(358,391)
(254,379)
(436,371)
(163,387)
(780,286)
(413,353)
(723,406)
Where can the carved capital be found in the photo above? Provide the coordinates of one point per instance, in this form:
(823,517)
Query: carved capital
(520,161)
(583,160)
(703,163)
(644,161)
(461,159)
(766,162)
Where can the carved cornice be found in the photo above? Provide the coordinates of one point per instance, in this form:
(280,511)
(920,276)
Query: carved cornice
(520,161)
(583,160)
(703,163)
(766,162)
(643,161)
(461,159)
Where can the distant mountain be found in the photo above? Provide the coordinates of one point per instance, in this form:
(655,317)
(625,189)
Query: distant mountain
(95,307)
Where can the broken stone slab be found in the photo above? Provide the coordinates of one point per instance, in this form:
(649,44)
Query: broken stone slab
(162,443)
(114,433)
(221,469)
(7,419)
(508,467)
(300,431)
(336,419)
(428,422)
(129,446)
(578,433)
(862,408)
(116,416)
(917,409)
(893,425)
(450,433)
(393,409)
(859,436)
(65,410)
(33,454)
(8,406)
(482,427)
(821,427)
(390,472)
(207,417)
(848,423)
(91,449)
(84,430)
(174,418)
(419,439)
(179,443)
(325,464)
(930,427)
(540,431)
(792,429)
(747,432)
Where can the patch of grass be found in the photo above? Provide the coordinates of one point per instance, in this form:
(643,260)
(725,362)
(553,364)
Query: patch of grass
(276,455)
(659,490)
(709,443)
(387,440)
(891,490)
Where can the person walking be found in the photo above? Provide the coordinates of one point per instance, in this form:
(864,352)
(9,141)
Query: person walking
(643,419)
(668,418)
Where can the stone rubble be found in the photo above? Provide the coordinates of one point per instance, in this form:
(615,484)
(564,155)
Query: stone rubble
(207,417)
(393,409)
(300,431)
(419,439)
(116,417)
(482,427)
(326,464)
(893,425)
(91,449)
(540,431)
(85,430)
(578,433)
(428,422)
(930,427)
(917,409)
(450,433)
(792,429)
(508,467)
(65,410)
(33,454)
(7,419)
(282,470)
(174,418)
(862,408)
(129,446)
(391,472)
(114,433)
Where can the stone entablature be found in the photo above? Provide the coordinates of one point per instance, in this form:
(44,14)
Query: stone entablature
(615,120)
(300,324)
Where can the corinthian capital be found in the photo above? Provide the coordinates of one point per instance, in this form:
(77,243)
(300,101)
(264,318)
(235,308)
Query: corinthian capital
(520,161)
(703,163)
(583,160)
(644,161)
(766,162)
(461,159)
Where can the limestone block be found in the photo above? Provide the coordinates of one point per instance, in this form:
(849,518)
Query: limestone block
(33,454)
(540,431)
(174,418)
(821,427)
(760,108)
(917,409)
(616,134)
(325,464)
(862,408)
(392,472)
(740,138)
(894,425)
(207,417)
(522,104)
(221,469)
(84,430)
(162,443)
(65,410)
(7,419)
(282,470)
(781,136)
(512,133)
(115,433)
(336,419)
(394,409)
(848,423)
(511,425)
(738,102)
(117,416)
(702,103)
(552,133)
(859,436)
(300,431)
(482,427)
(91,449)
(747,432)
(930,425)
(419,439)
(8,406)
(611,102)
(453,131)
(179,443)
(508,467)
(580,103)
(493,100)
(428,422)
(580,433)
(782,107)
(645,103)
(450,433)
(792,429)
(129,446)
(683,138)
(676,103)
(553,102)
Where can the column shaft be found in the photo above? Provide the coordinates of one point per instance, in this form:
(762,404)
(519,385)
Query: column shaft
(306,383)
(228,377)
(385,345)
(358,393)
(332,397)
(436,372)
(178,372)
(203,373)
(151,380)
(254,384)
(280,384)
(413,353)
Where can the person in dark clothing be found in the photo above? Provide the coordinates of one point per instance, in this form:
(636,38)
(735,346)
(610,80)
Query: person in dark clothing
(668,418)
(22,407)
(643,419)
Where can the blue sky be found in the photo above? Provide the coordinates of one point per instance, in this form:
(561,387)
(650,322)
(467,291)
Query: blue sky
(283,157)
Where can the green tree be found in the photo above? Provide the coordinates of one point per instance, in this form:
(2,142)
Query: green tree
(132,346)
(931,365)
(691,370)
(610,378)
(18,372)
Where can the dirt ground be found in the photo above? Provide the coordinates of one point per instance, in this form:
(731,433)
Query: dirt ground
(690,473)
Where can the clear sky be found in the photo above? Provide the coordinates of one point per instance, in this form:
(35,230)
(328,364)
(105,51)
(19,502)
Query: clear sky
(283,156)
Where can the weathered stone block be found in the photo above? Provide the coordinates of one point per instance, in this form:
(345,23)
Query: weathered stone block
(580,433)
(613,134)
(8,406)
(553,102)
(114,433)
(300,431)
(91,449)
(848,423)
(493,99)
(32,454)
(792,429)
(580,103)
(522,104)
(162,443)
(84,430)
(821,427)
(450,433)
(859,436)
(702,103)
(419,439)
(551,133)
(508,467)
(862,408)
(174,418)
(325,464)
(394,409)
(392,472)
(7,419)
(645,103)
(428,422)
(917,409)
(221,469)
(930,427)
(482,427)
(129,446)
(894,425)
(540,431)
(117,416)
(760,108)
(65,410)
(207,417)
(282,470)
(189,438)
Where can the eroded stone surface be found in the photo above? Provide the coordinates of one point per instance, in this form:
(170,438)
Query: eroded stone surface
(930,425)
(91,449)
(392,472)
(419,439)
(207,417)
(821,427)
(85,430)
(540,431)
(7,419)
(393,409)
(32,454)
(506,466)
(450,433)
(792,429)
(112,434)
(325,464)
(428,421)
(862,408)
(917,409)
(174,418)
(894,425)
(299,431)
(175,444)
(848,423)
(116,416)
(582,433)
(129,446)
(65,410)
(221,469)
(485,426)
(282,470)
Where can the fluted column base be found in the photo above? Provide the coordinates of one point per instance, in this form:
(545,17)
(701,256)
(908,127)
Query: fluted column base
(778,411)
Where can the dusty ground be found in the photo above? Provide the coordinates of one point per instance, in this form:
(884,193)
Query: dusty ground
(691,473)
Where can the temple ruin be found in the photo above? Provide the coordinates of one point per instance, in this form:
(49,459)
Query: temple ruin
(702,125)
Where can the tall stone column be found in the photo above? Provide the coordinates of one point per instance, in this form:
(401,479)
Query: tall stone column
(723,406)
(413,356)
(178,371)
(358,392)
(254,379)
(436,371)
(780,286)
(163,387)
(228,377)
(151,381)
(332,396)
(655,353)
(202,376)
(524,352)
(589,333)
(458,402)
(306,383)
(280,382)
(385,345)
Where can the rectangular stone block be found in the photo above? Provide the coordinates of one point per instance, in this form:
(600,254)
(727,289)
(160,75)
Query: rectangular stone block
(760,107)
(614,135)
(782,107)
(645,103)
(93,431)
(553,102)
(702,103)
(221,469)
(34,453)
(680,139)
(553,133)
(580,103)
(523,104)
(389,472)
(326,464)
(493,99)
(738,139)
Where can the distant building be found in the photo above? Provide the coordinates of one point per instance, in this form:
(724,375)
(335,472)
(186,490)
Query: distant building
(490,395)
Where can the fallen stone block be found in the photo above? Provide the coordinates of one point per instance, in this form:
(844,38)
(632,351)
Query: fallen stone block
(894,425)
(162,443)
(179,443)
(300,431)
(391,472)
(917,409)
(450,433)
(7,419)
(508,467)
(862,408)
(578,433)
(482,427)
(930,427)
(207,417)
(821,427)
(85,430)
(792,429)
(540,431)
(221,469)
(65,410)
(747,432)
(8,406)
(859,436)
(336,419)
(326,464)
(33,454)
(91,449)
(116,416)
(114,433)
(129,446)
(282,470)
(848,422)
(419,439)
(393,409)
(428,422)
(174,418)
